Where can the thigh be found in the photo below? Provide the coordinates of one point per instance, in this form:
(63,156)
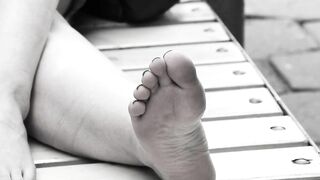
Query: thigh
(129,10)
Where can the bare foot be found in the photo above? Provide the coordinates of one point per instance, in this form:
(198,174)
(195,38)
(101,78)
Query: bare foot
(166,119)
(15,158)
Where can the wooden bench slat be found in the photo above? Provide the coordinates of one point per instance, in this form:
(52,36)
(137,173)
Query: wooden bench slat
(250,165)
(253,133)
(100,171)
(240,103)
(206,53)
(134,37)
(237,75)
(47,156)
(267,164)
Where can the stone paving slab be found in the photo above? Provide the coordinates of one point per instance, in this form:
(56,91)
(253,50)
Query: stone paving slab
(314,29)
(269,37)
(272,76)
(305,106)
(301,71)
(294,9)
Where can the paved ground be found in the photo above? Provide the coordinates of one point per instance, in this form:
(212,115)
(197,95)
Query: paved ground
(283,38)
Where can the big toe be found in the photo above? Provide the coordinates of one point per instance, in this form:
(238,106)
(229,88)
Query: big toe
(180,69)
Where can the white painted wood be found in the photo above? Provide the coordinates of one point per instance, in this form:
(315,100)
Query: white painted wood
(267,164)
(243,165)
(215,77)
(251,133)
(205,53)
(117,38)
(236,104)
(44,155)
(96,172)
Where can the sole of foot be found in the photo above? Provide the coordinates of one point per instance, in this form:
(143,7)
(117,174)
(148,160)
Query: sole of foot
(166,117)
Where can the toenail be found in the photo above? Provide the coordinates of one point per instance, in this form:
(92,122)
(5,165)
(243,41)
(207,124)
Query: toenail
(166,53)
(145,72)
(139,86)
(157,58)
(135,101)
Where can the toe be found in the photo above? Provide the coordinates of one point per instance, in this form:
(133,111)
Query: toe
(180,69)
(29,173)
(149,80)
(141,93)
(137,108)
(159,68)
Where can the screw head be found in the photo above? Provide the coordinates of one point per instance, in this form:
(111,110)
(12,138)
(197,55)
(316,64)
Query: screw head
(222,50)
(208,30)
(239,73)
(278,128)
(302,161)
(255,101)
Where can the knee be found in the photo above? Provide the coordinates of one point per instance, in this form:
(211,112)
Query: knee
(145,10)
(129,10)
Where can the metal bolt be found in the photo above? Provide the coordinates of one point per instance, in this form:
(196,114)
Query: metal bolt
(278,128)
(238,73)
(195,9)
(222,50)
(302,161)
(255,101)
(208,30)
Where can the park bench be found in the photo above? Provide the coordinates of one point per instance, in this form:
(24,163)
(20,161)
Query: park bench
(251,133)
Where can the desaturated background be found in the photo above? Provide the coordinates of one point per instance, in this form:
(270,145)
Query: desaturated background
(283,39)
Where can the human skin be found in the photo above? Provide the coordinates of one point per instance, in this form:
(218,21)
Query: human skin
(79,100)
(24,29)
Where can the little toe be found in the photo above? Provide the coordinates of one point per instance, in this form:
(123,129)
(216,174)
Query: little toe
(149,80)
(137,108)
(159,68)
(141,93)
(180,69)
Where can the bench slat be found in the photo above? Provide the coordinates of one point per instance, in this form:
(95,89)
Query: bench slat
(47,156)
(249,165)
(236,104)
(210,76)
(134,37)
(253,133)
(206,53)
(267,164)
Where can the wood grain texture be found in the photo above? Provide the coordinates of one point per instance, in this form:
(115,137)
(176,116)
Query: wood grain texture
(253,133)
(235,76)
(134,37)
(205,53)
(255,102)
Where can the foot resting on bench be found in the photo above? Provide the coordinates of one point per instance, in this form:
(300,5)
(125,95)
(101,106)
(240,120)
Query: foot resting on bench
(166,119)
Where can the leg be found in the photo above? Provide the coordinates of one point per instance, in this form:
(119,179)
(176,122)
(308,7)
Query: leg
(80,101)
